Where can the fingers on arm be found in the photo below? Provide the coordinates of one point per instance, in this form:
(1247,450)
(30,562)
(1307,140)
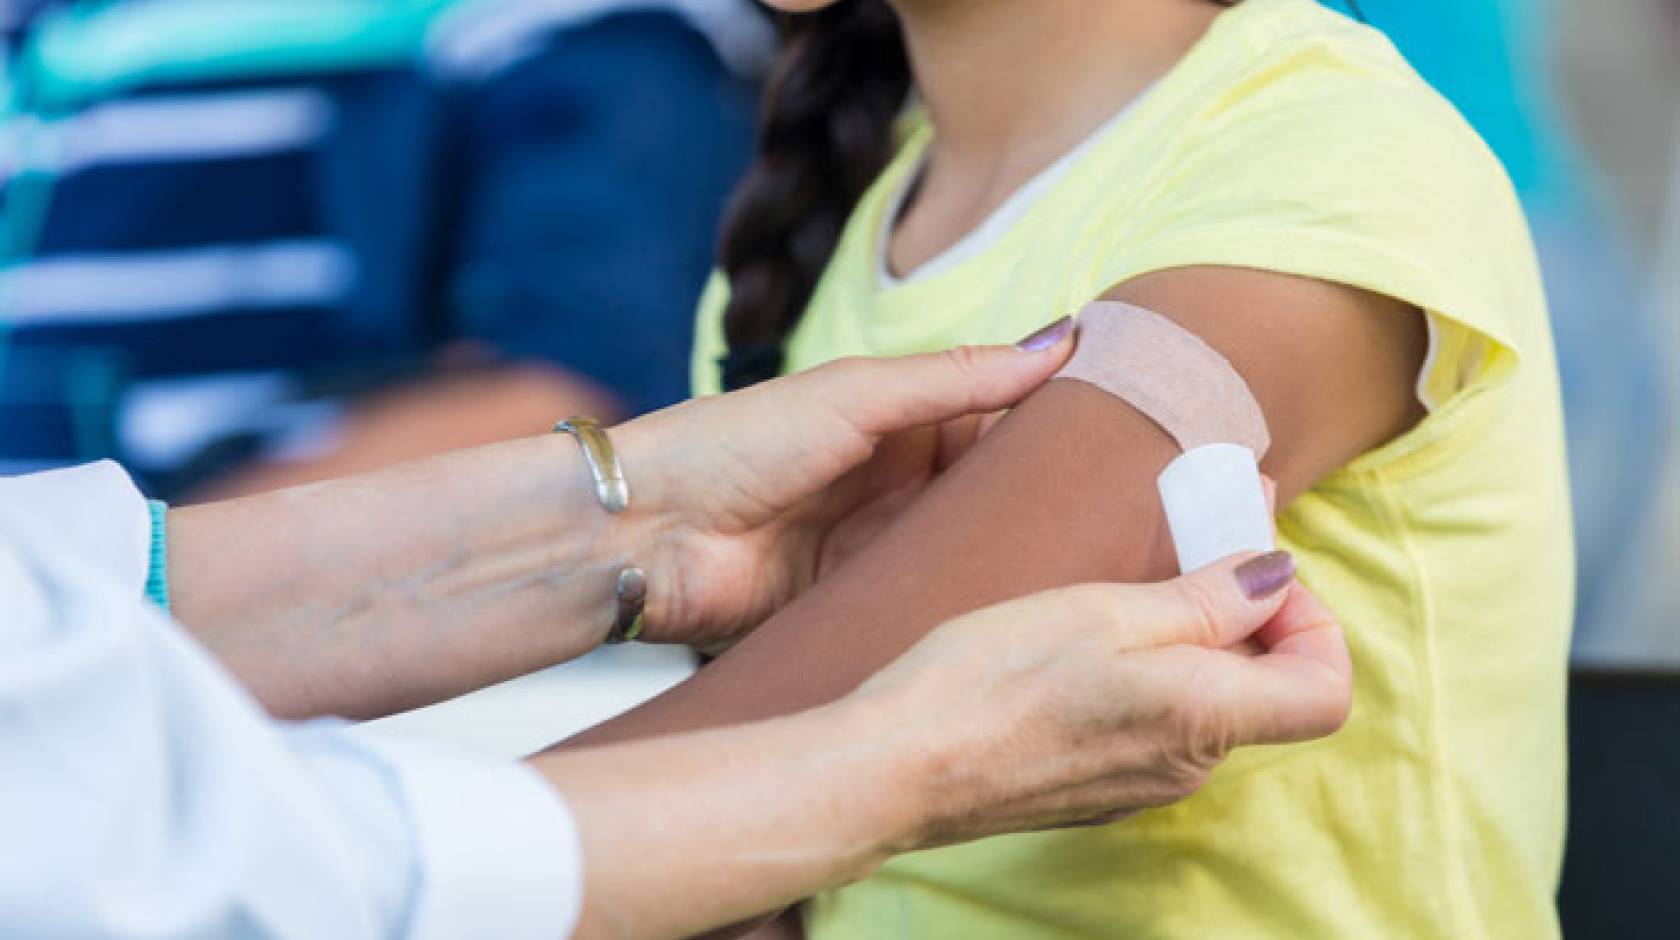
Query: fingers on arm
(885,395)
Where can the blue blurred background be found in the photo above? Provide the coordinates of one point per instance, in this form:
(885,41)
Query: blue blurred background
(250,243)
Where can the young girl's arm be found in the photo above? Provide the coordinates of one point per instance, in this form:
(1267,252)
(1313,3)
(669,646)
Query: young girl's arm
(1063,491)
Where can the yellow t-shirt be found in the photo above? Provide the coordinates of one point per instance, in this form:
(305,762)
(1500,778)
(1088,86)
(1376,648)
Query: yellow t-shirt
(1294,140)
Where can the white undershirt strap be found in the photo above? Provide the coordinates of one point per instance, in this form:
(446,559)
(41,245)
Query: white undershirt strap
(990,231)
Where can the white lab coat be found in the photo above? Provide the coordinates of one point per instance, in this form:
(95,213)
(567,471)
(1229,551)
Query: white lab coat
(144,794)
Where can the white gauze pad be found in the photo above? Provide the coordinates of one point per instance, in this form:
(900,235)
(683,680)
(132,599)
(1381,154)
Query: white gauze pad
(1215,504)
(1214,501)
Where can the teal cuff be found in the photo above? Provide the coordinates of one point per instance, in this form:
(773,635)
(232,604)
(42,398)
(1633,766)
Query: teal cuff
(157,574)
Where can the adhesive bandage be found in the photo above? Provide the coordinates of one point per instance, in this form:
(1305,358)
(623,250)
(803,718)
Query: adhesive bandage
(1211,493)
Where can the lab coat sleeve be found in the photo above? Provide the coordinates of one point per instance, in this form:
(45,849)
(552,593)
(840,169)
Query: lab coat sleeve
(144,794)
(94,510)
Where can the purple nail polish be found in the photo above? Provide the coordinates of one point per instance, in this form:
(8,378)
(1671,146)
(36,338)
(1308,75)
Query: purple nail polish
(1265,575)
(1043,339)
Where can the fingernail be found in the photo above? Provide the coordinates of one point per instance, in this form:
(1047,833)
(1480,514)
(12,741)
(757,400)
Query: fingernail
(1047,337)
(1263,576)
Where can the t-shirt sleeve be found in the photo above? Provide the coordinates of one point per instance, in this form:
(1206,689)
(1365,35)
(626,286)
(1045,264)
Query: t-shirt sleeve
(1358,180)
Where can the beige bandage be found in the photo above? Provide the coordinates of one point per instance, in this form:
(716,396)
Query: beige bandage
(1211,494)
(1169,374)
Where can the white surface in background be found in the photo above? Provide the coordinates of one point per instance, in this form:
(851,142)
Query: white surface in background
(142,285)
(166,421)
(161,129)
(528,714)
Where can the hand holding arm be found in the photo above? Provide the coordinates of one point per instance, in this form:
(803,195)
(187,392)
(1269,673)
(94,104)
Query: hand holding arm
(1093,701)
(379,837)
(398,588)
(1063,491)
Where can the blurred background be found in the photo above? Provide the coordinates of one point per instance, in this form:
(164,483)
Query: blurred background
(251,243)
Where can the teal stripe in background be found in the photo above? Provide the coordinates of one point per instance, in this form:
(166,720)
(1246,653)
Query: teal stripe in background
(92,50)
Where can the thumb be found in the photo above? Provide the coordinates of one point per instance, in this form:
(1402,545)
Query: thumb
(1301,688)
(1214,607)
(882,396)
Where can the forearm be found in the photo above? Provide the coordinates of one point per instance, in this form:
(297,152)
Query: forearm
(686,833)
(394,589)
(1062,491)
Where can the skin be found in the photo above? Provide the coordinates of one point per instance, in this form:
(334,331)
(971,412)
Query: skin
(388,588)
(1332,368)
(1088,714)
(1097,517)
(1099,699)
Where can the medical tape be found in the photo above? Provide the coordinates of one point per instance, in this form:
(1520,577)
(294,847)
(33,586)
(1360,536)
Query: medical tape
(1214,501)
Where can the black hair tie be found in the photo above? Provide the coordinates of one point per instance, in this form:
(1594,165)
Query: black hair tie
(749,365)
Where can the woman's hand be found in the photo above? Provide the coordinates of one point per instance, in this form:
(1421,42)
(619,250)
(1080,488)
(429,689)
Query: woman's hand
(1085,704)
(750,494)
(406,586)
(1074,706)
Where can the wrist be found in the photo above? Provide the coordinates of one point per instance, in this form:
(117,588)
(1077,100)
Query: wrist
(644,460)
(651,532)
(890,804)
(687,831)
(556,535)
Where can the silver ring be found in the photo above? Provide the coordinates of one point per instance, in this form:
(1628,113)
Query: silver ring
(630,591)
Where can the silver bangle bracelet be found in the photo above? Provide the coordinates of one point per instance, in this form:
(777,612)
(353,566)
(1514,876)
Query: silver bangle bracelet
(612,491)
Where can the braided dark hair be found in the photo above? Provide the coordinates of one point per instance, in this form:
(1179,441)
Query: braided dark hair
(834,95)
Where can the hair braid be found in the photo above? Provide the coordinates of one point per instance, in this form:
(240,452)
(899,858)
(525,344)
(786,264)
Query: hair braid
(827,131)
